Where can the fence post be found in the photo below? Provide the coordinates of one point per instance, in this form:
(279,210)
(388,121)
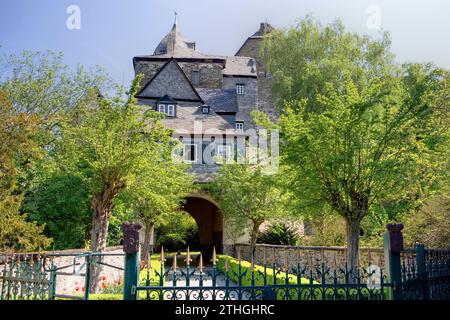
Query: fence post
(422,269)
(87,277)
(131,249)
(393,245)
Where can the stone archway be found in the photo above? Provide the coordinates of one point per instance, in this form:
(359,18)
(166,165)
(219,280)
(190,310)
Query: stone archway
(209,221)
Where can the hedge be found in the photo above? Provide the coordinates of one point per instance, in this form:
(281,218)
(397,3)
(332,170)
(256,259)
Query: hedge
(280,277)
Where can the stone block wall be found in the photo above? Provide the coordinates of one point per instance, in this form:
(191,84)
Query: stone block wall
(210,73)
(290,256)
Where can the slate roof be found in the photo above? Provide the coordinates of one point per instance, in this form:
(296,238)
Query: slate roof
(219,100)
(211,122)
(240,66)
(174,45)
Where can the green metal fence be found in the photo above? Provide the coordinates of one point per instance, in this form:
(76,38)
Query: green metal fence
(34,276)
(234,279)
(411,274)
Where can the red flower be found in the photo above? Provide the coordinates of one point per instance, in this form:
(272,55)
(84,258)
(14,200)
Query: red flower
(103,278)
(119,282)
(103,285)
(77,288)
(82,289)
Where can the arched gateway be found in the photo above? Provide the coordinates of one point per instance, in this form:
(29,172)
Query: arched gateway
(209,221)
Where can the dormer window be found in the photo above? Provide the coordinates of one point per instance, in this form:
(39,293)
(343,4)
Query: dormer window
(171,110)
(205,109)
(239,89)
(167,106)
(239,125)
(167,109)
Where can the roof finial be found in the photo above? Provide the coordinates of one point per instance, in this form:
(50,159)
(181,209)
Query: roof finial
(175,22)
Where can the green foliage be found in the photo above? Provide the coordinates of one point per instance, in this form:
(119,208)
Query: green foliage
(246,195)
(430,224)
(177,231)
(360,134)
(16,133)
(40,90)
(279,234)
(62,202)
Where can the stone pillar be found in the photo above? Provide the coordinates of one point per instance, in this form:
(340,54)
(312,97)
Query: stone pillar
(131,249)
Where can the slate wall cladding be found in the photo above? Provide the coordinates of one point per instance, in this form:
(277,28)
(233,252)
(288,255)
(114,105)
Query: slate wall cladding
(179,87)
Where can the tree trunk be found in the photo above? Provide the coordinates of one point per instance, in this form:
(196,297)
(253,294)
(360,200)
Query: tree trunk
(102,206)
(146,247)
(352,230)
(253,237)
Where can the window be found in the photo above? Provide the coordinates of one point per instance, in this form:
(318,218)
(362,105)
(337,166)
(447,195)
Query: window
(268,75)
(162,108)
(195,77)
(205,109)
(239,89)
(190,152)
(239,125)
(170,110)
(223,152)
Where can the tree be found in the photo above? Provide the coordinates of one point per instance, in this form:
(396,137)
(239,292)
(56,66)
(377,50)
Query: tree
(107,140)
(61,201)
(358,132)
(245,194)
(41,88)
(156,193)
(16,133)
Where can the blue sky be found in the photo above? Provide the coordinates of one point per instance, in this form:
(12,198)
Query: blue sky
(113,31)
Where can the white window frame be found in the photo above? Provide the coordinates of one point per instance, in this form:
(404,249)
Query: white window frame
(163,109)
(240,89)
(184,152)
(220,148)
(171,110)
(239,125)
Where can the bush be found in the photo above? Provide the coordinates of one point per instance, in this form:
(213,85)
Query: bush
(279,234)
(179,231)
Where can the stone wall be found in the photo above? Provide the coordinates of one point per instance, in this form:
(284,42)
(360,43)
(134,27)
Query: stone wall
(210,73)
(306,256)
(247,101)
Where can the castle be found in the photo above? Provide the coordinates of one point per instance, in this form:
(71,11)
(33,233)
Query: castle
(207,100)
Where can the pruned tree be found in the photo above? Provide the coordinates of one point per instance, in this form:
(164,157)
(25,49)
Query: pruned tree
(358,131)
(246,195)
(107,141)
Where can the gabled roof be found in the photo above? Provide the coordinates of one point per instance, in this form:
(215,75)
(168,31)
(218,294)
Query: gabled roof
(166,98)
(162,84)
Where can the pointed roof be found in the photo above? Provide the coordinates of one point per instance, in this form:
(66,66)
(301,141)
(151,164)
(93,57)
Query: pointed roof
(158,87)
(174,45)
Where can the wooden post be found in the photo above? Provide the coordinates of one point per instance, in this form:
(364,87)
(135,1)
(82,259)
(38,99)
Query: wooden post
(131,249)
(393,246)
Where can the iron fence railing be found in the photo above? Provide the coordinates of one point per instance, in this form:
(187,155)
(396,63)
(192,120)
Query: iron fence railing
(227,278)
(34,276)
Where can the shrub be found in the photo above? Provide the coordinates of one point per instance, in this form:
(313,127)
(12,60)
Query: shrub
(279,234)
